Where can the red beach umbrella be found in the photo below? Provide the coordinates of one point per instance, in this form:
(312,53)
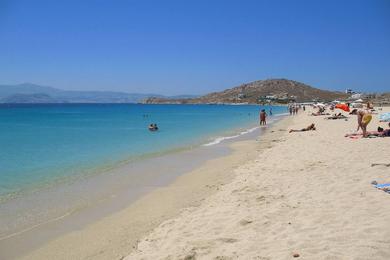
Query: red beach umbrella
(342,107)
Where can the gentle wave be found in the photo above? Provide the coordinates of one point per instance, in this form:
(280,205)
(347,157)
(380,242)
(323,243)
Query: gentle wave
(223,138)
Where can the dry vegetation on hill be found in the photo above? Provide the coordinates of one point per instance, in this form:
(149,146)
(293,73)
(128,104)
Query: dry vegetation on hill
(279,90)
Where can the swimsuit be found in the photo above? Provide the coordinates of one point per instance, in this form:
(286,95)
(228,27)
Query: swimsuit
(366,119)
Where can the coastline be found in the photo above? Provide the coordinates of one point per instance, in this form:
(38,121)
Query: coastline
(283,194)
(190,188)
(309,196)
(95,138)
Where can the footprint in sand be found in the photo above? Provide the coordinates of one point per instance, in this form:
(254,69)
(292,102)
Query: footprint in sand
(261,198)
(245,222)
(228,240)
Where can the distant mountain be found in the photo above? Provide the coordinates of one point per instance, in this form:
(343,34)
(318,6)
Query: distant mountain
(26,88)
(29,98)
(31,93)
(261,91)
(274,90)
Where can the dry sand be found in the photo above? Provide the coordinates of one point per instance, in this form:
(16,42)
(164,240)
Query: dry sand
(310,194)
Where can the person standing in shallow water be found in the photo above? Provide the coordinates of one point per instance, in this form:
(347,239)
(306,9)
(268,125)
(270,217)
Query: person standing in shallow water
(270,112)
(263,116)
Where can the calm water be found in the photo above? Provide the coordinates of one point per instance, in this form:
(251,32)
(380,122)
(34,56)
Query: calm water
(44,144)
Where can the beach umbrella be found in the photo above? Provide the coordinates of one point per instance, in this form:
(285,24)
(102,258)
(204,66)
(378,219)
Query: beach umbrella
(359,100)
(320,105)
(385,117)
(342,107)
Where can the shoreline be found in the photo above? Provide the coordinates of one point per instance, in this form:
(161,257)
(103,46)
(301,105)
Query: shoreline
(24,203)
(9,244)
(90,172)
(90,149)
(309,196)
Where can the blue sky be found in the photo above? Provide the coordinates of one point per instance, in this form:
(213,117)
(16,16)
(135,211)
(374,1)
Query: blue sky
(194,47)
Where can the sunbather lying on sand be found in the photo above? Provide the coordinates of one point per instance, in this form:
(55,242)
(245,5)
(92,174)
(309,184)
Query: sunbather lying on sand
(338,116)
(380,133)
(309,128)
(319,114)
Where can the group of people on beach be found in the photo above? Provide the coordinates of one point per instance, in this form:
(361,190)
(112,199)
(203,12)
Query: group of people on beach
(293,109)
(364,117)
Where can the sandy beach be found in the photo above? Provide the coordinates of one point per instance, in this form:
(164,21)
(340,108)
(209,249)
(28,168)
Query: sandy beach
(306,193)
(195,130)
(309,195)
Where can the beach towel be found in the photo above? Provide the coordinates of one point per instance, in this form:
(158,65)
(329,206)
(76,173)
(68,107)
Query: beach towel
(383,185)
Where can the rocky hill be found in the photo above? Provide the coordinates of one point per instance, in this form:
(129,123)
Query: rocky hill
(270,90)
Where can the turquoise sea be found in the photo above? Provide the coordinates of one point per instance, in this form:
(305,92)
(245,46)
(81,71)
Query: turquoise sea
(44,144)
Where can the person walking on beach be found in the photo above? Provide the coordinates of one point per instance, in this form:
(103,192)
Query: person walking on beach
(263,116)
(291,110)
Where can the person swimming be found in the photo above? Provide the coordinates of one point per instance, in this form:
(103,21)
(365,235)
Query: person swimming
(153,127)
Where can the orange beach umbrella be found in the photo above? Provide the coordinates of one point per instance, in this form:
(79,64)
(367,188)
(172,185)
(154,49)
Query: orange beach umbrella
(342,107)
